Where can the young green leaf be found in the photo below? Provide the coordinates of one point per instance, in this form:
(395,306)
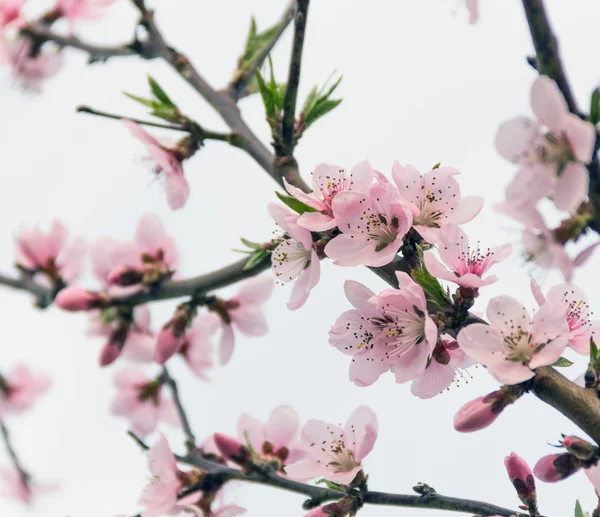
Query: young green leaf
(330,484)
(267,96)
(146,102)
(562,362)
(321,109)
(578,509)
(250,244)
(429,283)
(595,106)
(297,206)
(256,258)
(159,93)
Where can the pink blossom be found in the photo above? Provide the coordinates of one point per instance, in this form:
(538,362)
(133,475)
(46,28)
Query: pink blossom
(466,266)
(30,72)
(446,360)
(10,11)
(373,224)
(551,149)
(276,439)
(160,496)
(556,467)
(172,336)
(391,330)
(82,9)
(473,7)
(593,474)
(333,452)
(577,310)
(231,449)
(77,299)
(139,340)
(327,182)
(245,312)
(20,388)
(167,166)
(478,414)
(294,257)
(316,512)
(434,199)
(50,253)
(141,401)
(197,348)
(16,488)
(514,344)
(545,251)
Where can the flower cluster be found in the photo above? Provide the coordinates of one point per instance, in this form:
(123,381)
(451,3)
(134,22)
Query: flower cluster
(551,151)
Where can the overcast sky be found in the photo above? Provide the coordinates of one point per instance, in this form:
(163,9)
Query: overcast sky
(420,86)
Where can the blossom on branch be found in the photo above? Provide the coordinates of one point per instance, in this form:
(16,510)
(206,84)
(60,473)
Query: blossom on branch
(463,265)
(10,12)
(51,254)
(142,402)
(327,182)
(197,348)
(29,71)
(244,312)
(577,312)
(333,452)
(434,199)
(295,256)
(373,223)
(20,388)
(388,331)
(275,440)
(551,150)
(514,344)
(168,166)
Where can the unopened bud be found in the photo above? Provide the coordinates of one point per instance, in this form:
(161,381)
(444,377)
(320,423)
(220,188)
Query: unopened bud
(112,350)
(479,413)
(172,336)
(579,448)
(124,275)
(78,299)
(317,512)
(109,354)
(555,467)
(521,477)
(231,449)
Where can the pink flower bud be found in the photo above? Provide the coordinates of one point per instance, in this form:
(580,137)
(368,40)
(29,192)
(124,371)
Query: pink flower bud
(167,344)
(477,414)
(317,512)
(555,467)
(124,275)
(579,447)
(521,477)
(109,354)
(231,449)
(78,299)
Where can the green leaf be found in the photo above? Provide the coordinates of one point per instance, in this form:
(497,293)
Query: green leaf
(311,98)
(595,106)
(330,484)
(255,44)
(562,362)
(159,93)
(429,283)
(250,244)
(167,113)
(578,509)
(436,166)
(297,206)
(267,96)
(256,258)
(141,100)
(594,355)
(250,38)
(321,109)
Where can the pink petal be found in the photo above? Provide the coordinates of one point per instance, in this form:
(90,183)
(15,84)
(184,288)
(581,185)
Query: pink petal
(250,320)
(358,295)
(176,188)
(438,270)
(585,255)
(548,103)
(514,138)
(350,250)
(537,292)
(505,313)
(282,426)
(307,469)
(250,430)
(408,180)
(308,199)
(466,210)
(361,175)
(549,322)
(226,344)
(343,478)
(316,221)
(581,135)
(127,378)
(255,290)
(530,184)
(308,279)
(366,368)
(572,187)
(435,379)
(482,343)
(362,424)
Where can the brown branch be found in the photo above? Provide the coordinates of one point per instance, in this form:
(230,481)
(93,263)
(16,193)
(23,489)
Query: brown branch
(44,295)
(236,89)
(190,441)
(291,92)
(319,495)
(23,474)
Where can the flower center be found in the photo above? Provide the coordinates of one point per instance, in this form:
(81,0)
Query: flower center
(427,214)
(520,347)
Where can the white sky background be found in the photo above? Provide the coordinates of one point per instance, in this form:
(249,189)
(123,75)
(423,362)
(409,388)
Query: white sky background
(420,86)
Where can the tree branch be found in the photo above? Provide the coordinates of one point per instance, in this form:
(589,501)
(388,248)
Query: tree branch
(546,48)
(41,33)
(239,84)
(44,295)
(190,441)
(24,475)
(319,495)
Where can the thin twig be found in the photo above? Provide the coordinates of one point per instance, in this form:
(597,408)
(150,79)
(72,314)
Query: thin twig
(138,440)
(43,294)
(291,92)
(187,429)
(319,495)
(23,474)
(91,111)
(238,85)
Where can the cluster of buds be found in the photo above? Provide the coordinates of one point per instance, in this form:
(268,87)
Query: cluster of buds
(152,271)
(580,454)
